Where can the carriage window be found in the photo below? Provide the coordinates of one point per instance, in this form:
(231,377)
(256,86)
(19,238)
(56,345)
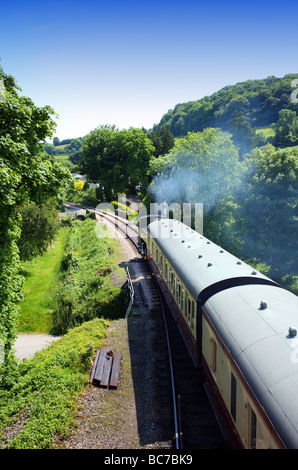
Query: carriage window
(233,396)
(188,310)
(182,300)
(160,261)
(252,428)
(178,293)
(214,356)
(172,277)
(193,314)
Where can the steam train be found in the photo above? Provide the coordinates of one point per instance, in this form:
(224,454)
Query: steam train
(239,326)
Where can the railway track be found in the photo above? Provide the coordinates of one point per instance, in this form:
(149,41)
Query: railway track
(188,417)
(197,426)
(127,228)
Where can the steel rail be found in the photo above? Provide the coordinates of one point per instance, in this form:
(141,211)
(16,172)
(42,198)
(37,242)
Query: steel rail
(110,216)
(177,433)
(175,405)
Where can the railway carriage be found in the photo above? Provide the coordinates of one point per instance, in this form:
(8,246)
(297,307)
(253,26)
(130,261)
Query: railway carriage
(240,326)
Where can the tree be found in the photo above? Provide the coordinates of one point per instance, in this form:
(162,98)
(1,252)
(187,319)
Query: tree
(268,209)
(242,133)
(49,148)
(56,141)
(133,150)
(24,176)
(117,160)
(96,149)
(74,146)
(39,226)
(286,129)
(162,140)
(259,100)
(204,169)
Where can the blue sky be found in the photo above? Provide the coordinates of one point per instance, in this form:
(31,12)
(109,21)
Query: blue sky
(126,63)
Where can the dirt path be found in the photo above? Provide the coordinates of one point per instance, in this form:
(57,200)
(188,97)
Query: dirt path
(26,345)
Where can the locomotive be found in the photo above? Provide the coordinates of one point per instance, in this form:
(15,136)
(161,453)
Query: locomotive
(239,327)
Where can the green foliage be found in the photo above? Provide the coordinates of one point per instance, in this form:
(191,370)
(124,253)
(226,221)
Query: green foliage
(250,205)
(259,101)
(242,133)
(39,226)
(268,209)
(44,388)
(117,160)
(122,208)
(162,140)
(67,152)
(87,198)
(87,290)
(24,176)
(207,160)
(286,129)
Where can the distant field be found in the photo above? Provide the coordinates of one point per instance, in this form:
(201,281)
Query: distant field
(64,157)
(61,147)
(268,131)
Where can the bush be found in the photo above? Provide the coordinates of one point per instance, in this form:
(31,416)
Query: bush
(87,198)
(78,185)
(124,209)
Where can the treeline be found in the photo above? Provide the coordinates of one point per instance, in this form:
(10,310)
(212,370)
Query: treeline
(238,109)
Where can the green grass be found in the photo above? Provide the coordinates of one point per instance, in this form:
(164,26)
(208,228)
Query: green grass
(63,157)
(61,147)
(268,131)
(42,280)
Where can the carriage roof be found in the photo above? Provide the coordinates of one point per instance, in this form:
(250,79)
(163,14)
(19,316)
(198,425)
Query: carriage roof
(252,316)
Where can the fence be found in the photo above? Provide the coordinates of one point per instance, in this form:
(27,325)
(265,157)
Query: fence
(131,292)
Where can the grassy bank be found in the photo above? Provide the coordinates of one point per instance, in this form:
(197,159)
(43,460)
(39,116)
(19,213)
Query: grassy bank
(89,271)
(41,404)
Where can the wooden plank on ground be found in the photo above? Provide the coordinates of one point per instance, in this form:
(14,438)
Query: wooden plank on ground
(94,365)
(107,367)
(115,370)
(100,364)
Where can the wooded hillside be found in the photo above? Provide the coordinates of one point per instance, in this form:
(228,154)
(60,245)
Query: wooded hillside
(257,101)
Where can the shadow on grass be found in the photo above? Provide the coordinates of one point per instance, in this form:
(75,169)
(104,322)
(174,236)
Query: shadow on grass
(25,272)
